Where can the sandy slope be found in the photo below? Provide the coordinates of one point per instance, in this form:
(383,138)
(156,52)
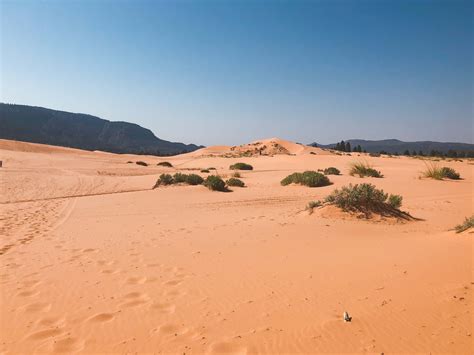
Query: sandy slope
(92,260)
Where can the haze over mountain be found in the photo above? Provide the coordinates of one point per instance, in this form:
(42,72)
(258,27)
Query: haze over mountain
(395,145)
(77,130)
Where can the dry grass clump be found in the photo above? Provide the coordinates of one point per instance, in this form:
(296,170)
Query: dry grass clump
(166,164)
(365,198)
(236,175)
(332,171)
(235,182)
(308,178)
(364,169)
(142,163)
(433,171)
(467,224)
(241,166)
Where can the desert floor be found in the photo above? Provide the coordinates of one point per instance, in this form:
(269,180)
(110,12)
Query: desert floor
(93,260)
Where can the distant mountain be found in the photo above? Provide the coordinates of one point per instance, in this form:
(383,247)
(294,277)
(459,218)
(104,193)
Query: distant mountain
(77,130)
(395,145)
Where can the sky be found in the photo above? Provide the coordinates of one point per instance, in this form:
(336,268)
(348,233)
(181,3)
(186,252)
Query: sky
(231,72)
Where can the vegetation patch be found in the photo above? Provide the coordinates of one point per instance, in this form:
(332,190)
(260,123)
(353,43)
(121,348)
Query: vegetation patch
(235,182)
(163,180)
(241,166)
(433,171)
(166,164)
(312,205)
(142,163)
(467,224)
(308,178)
(332,171)
(236,175)
(194,179)
(215,183)
(363,169)
(367,199)
(205,171)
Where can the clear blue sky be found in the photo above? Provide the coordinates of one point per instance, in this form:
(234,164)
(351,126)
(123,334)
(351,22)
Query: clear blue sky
(228,72)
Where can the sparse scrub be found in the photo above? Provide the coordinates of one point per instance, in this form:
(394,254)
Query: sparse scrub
(179,178)
(215,183)
(164,179)
(194,179)
(395,201)
(235,182)
(308,178)
(365,198)
(467,224)
(241,166)
(142,163)
(332,171)
(236,175)
(375,155)
(364,169)
(313,204)
(433,171)
(205,171)
(165,164)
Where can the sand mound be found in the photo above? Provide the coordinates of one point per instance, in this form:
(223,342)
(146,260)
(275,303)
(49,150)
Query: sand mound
(18,146)
(334,212)
(264,147)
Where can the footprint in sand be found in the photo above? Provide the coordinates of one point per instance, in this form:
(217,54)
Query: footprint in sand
(102,317)
(68,345)
(165,308)
(134,299)
(227,347)
(37,307)
(170,329)
(136,280)
(28,293)
(45,334)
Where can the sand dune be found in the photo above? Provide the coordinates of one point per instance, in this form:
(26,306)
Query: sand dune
(264,147)
(95,261)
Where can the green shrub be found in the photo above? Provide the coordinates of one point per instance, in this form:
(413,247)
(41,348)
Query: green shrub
(450,173)
(294,178)
(179,178)
(142,163)
(165,164)
(395,201)
(235,182)
(468,223)
(164,179)
(364,169)
(205,171)
(363,198)
(332,171)
(241,166)
(215,183)
(194,179)
(308,178)
(314,204)
(433,171)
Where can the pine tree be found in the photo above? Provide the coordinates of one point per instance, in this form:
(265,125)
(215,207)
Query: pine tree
(348,147)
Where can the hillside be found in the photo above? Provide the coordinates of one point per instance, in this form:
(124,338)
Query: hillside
(77,130)
(395,145)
